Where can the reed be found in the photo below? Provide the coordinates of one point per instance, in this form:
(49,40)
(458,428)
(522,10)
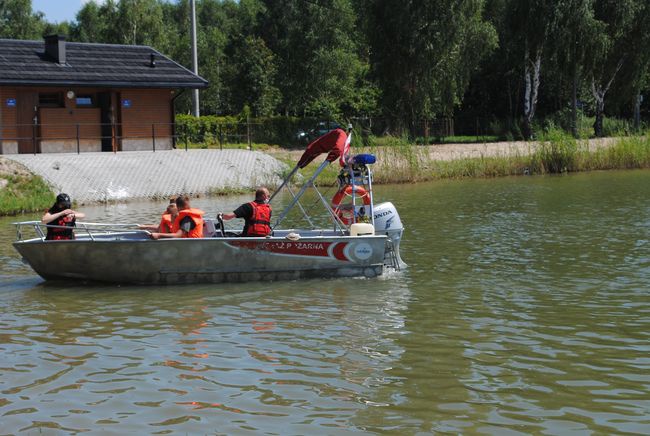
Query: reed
(556,152)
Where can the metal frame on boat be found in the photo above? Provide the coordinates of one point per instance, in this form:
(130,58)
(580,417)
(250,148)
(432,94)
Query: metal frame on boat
(364,240)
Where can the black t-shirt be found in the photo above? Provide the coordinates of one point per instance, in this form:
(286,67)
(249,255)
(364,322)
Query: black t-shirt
(187,224)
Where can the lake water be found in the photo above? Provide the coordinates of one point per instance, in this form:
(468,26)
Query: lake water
(525,309)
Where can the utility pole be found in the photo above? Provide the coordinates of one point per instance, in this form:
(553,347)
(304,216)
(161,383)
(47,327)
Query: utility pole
(195,62)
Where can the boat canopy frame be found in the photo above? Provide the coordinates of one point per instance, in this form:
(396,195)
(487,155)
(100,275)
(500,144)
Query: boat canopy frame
(337,144)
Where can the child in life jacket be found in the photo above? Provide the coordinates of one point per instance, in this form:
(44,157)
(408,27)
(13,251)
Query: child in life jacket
(167,221)
(62,218)
(188,222)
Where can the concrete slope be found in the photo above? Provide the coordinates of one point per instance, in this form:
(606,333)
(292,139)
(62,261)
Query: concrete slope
(99,177)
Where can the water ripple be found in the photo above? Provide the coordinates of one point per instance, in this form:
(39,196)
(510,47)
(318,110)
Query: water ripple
(524,310)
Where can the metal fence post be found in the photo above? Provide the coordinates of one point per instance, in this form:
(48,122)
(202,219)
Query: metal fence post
(78,148)
(187,137)
(248,131)
(34,134)
(153,136)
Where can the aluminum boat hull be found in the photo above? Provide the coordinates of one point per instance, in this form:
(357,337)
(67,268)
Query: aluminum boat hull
(132,258)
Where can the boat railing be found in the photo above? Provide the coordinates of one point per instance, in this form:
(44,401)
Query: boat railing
(91,229)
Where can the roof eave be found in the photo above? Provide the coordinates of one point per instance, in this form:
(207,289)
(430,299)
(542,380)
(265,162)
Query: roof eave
(107,84)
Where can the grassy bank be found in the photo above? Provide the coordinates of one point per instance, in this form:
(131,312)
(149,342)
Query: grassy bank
(24,193)
(556,153)
(400,161)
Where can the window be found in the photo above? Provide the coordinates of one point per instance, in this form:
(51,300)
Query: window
(85,101)
(50,99)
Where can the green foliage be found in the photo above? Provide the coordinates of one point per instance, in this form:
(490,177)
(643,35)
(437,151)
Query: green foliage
(18,21)
(424,55)
(25,194)
(210,131)
(250,79)
(339,59)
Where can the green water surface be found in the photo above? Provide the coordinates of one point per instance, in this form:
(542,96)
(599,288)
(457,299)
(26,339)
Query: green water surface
(525,309)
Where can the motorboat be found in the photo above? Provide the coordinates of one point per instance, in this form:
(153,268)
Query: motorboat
(361,239)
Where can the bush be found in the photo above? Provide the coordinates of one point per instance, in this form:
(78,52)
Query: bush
(217,130)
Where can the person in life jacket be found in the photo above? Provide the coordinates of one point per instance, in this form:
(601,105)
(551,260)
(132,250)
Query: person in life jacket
(257,214)
(188,223)
(167,221)
(61,215)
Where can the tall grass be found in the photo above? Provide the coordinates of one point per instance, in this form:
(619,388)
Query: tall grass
(556,152)
(25,194)
(400,161)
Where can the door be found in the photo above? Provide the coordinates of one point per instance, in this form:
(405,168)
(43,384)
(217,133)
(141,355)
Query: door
(27,119)
(104,101)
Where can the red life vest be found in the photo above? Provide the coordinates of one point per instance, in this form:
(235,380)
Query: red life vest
(58,234)
(167,225)
(259,224)
(197,217)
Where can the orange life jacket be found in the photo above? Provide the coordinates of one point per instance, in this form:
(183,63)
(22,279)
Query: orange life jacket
(167,225)
(259,223)
(197,217)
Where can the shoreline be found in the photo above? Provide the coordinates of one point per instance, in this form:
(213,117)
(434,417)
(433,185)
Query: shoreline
(28,187)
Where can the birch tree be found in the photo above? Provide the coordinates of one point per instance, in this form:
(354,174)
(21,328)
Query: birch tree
(610,49)
(531,22)
(572,31)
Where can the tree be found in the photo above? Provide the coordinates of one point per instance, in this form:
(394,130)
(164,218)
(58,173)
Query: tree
(423,53)
(529,24)
(140,22)
(610,49)
(634,74)
(17,21)
(317,53)
(572,31)
(250,75)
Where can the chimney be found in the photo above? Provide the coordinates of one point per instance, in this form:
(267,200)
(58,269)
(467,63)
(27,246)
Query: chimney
(152,60)
(55,48)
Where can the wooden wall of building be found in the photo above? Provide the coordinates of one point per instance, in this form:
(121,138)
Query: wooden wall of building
(8,132)
(147,108)
(137,116)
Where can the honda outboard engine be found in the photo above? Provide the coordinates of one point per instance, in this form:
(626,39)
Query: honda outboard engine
(387,222)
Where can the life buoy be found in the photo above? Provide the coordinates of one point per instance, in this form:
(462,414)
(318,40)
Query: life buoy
(346,214)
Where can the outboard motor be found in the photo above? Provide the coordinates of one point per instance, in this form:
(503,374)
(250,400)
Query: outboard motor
(388,222)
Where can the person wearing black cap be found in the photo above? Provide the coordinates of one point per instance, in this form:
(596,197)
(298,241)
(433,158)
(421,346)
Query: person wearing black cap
(61,215)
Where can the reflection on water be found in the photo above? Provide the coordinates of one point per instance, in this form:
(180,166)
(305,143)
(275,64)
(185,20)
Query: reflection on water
(192,358)
(525,309)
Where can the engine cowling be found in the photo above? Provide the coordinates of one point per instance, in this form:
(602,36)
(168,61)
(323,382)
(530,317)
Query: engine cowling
(388,222)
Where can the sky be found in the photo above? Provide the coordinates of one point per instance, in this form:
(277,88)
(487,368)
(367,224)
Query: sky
(57,11)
